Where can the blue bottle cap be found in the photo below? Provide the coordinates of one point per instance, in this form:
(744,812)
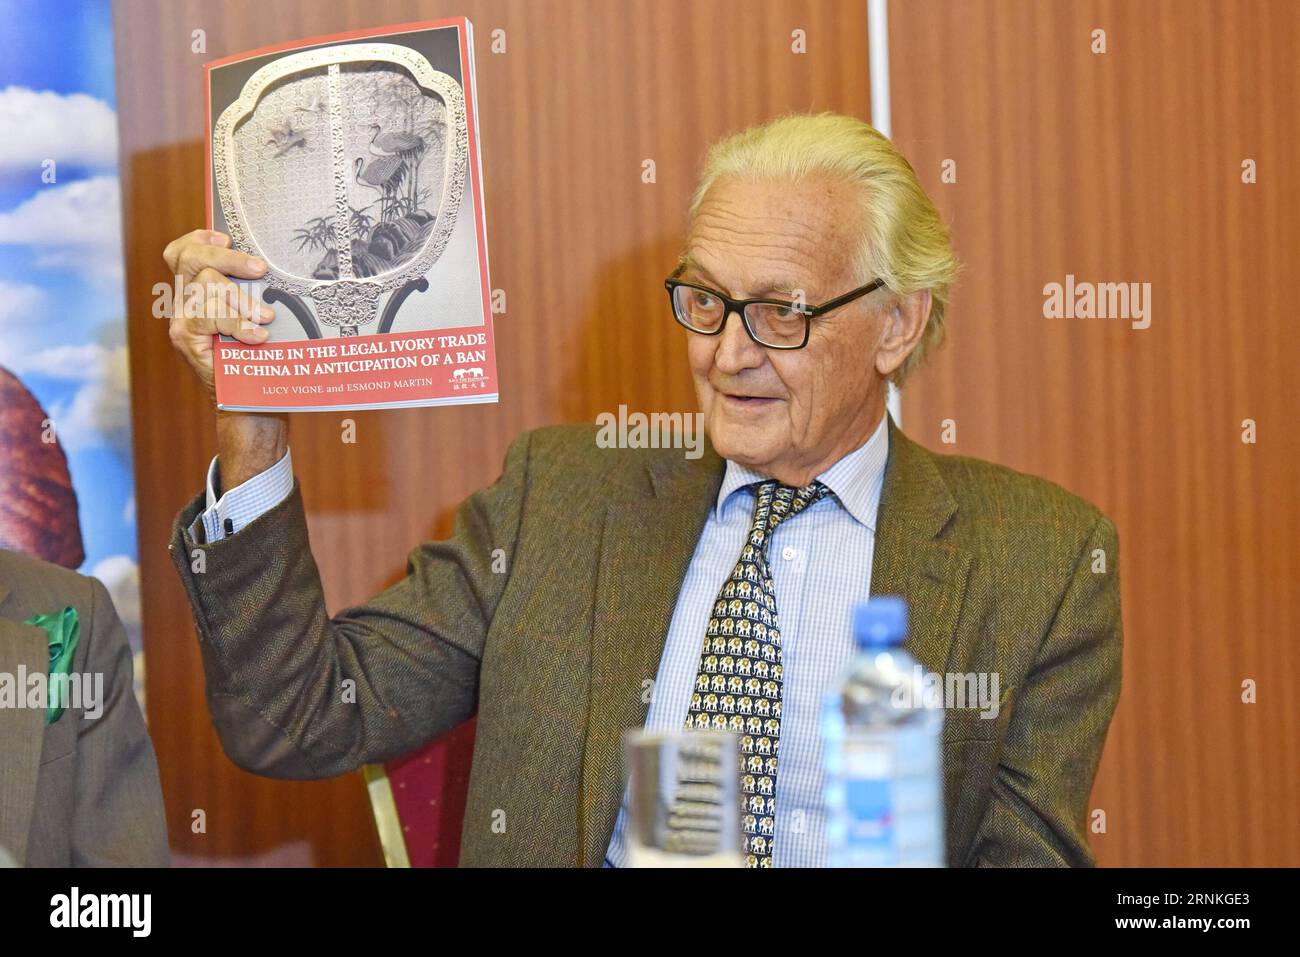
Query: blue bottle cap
(880,622)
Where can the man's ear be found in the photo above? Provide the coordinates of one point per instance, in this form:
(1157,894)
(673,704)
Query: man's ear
(905,321)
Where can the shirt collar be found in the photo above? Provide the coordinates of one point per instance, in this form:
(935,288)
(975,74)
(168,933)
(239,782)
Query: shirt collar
(856,479)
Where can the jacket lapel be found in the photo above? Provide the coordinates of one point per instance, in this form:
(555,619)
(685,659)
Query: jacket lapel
(22,732)
(645,550)
(911,558)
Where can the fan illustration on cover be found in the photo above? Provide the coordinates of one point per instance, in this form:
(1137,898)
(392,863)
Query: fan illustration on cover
(344,169)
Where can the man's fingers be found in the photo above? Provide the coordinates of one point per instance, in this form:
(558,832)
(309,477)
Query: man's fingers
(231,323)
(222,306)
(194,257)
(172,251)
(237,299)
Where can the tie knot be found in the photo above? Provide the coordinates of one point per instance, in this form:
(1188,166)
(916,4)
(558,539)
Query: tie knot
(775,501)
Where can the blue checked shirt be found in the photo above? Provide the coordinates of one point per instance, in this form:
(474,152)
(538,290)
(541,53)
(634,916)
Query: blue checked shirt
(821,567)
(243,503)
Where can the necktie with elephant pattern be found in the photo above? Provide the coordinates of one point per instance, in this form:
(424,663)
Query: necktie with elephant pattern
(738,683)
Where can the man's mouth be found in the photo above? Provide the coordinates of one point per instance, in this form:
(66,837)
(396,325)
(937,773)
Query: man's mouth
(741,400)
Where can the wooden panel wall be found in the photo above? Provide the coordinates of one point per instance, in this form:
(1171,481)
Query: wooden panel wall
(585,92)
(1126,167)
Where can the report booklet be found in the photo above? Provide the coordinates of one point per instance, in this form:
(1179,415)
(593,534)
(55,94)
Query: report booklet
(350,164)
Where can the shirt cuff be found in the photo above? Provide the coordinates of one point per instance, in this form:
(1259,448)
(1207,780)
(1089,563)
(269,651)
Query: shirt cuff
(244,503)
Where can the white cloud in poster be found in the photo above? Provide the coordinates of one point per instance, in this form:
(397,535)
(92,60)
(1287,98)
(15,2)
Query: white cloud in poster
(99,412)
(74,363)
(121,576)
(19,302)
(21,306)
(87,212)
(70,128)
(105,271)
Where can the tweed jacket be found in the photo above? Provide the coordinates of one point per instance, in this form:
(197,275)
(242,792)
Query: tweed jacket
(548,607)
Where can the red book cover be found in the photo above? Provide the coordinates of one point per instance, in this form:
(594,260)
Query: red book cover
(350,164)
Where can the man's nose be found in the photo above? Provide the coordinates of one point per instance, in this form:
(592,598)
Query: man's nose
(736,350)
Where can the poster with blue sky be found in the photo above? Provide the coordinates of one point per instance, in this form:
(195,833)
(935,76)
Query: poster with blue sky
(64,381)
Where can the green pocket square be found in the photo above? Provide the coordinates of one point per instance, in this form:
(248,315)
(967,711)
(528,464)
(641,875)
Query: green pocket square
(64,631)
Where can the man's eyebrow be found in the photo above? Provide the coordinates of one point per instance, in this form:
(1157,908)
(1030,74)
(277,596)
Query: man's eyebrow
(785,287)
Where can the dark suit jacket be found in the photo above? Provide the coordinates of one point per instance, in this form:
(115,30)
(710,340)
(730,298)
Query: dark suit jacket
(82,791)
(551,646)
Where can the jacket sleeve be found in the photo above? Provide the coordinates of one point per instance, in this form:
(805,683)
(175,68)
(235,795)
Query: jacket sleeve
(296,693)
(1038,810)
(119,819)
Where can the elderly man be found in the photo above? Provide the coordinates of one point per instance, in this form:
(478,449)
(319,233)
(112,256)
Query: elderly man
(617,560)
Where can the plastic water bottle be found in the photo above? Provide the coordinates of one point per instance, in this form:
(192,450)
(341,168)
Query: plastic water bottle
(884,766)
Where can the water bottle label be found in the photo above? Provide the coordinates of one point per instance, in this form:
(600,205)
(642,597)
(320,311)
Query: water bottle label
(884,799)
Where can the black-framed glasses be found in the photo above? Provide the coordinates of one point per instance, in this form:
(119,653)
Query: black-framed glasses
(774,323)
